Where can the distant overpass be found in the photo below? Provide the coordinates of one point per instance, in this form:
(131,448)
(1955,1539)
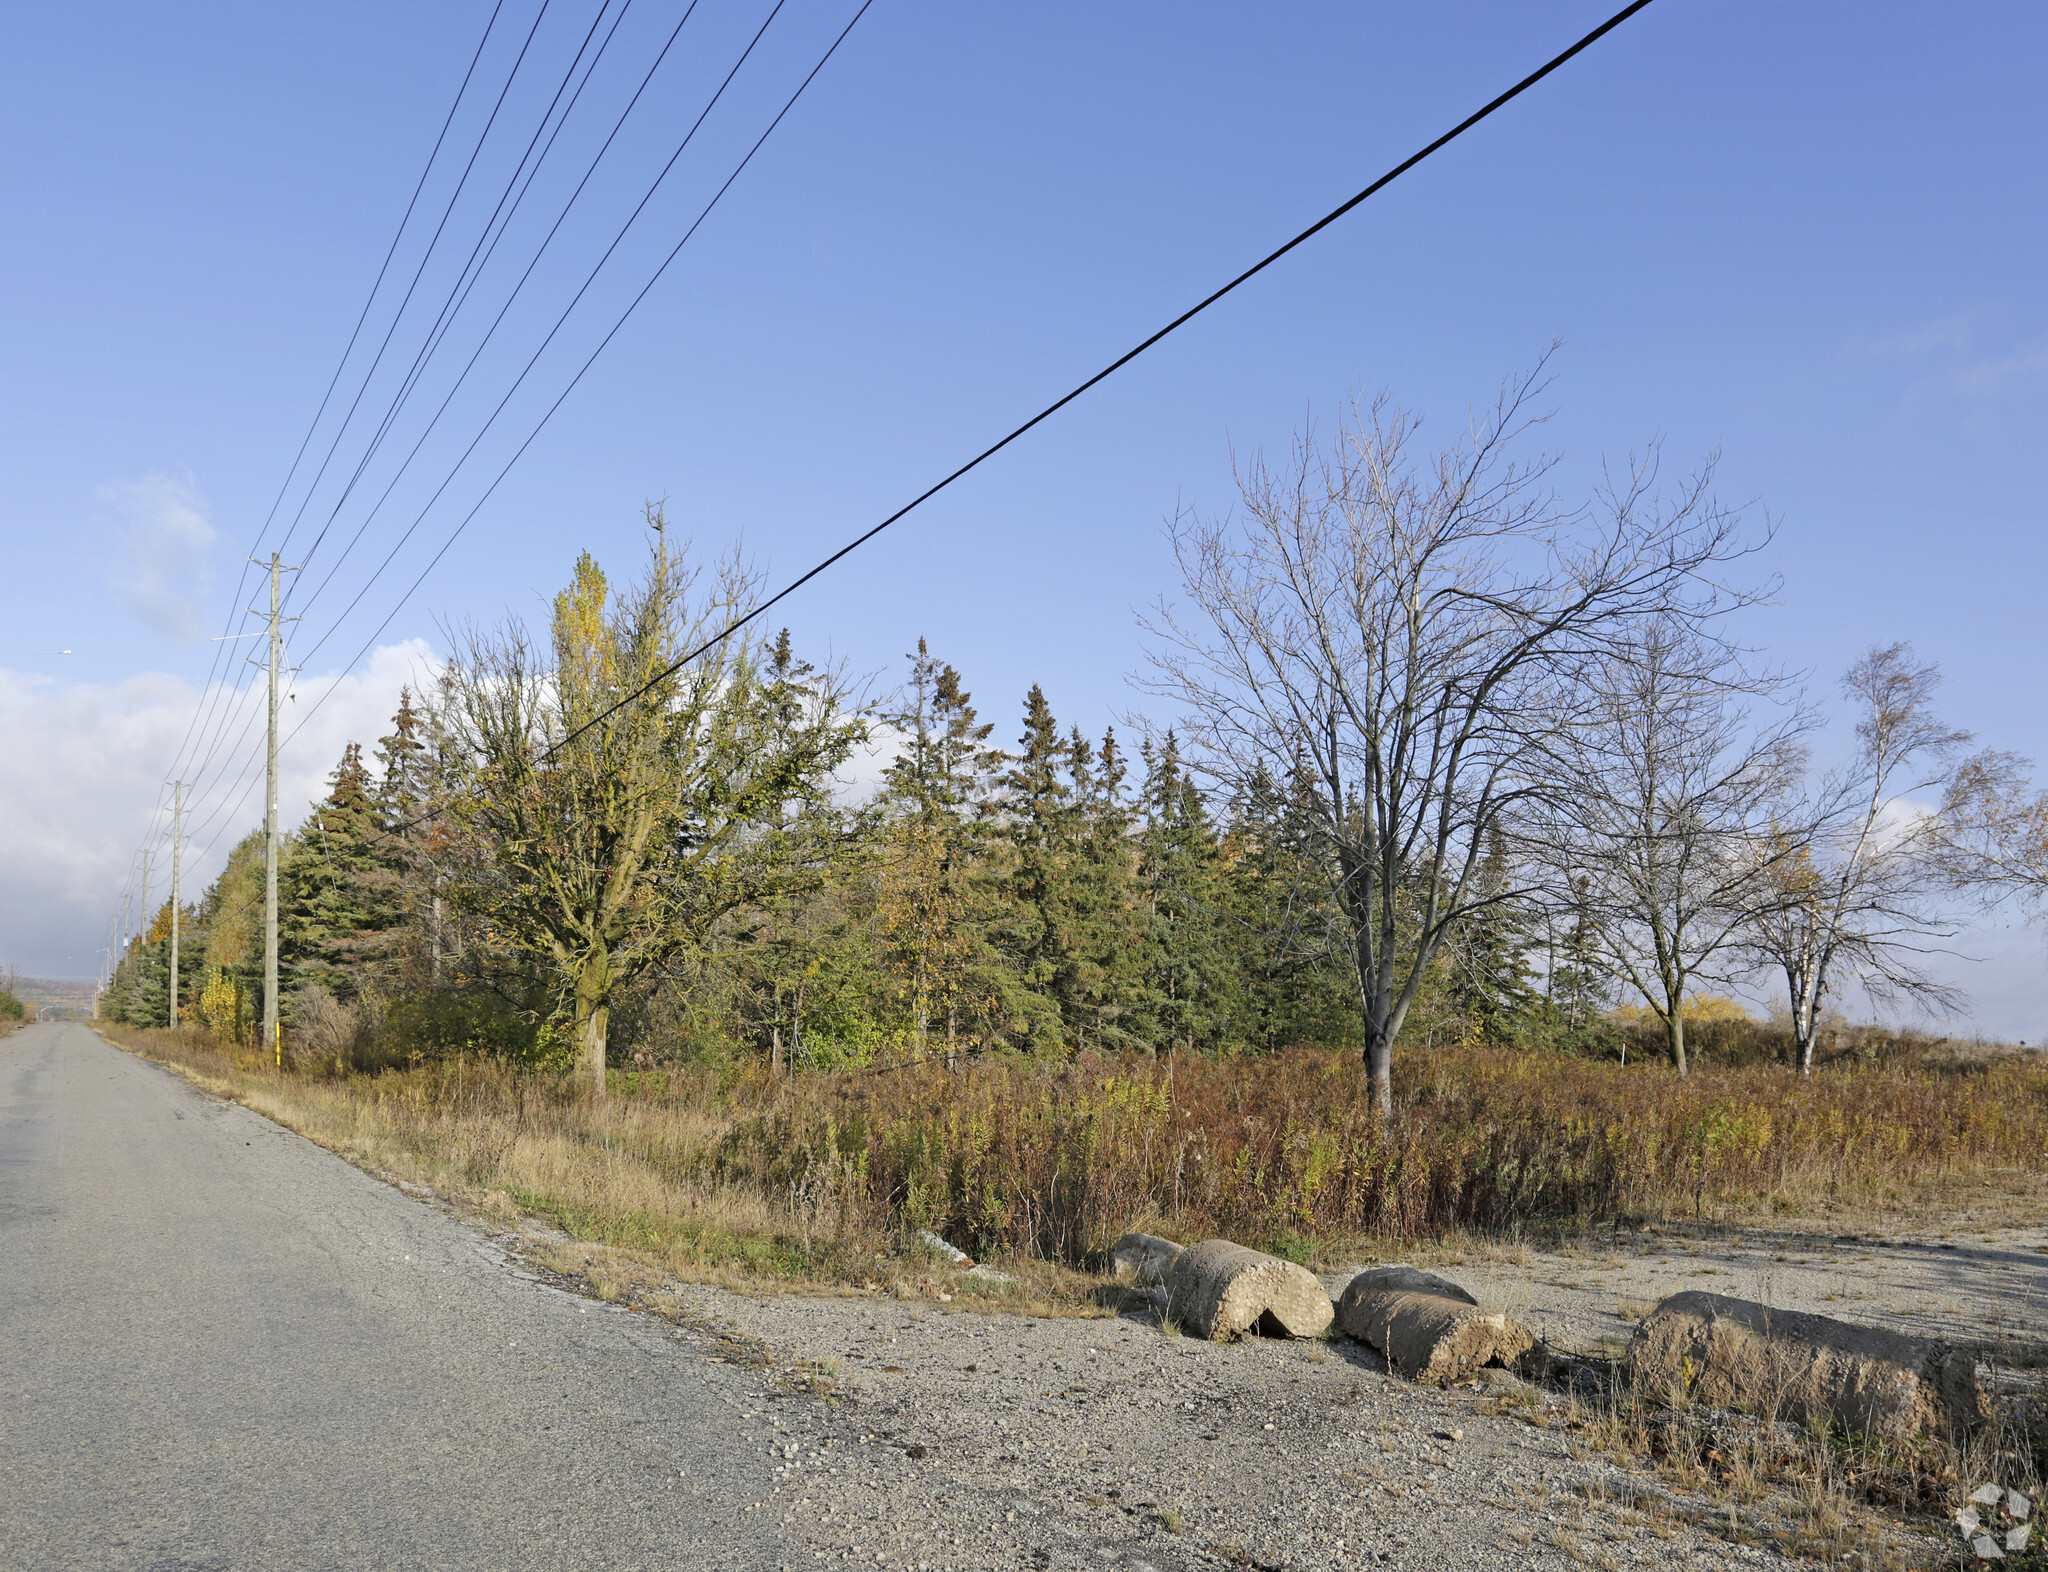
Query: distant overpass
(53,998)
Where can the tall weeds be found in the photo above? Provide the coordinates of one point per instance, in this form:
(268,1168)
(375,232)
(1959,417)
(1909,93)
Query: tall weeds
(1012,1157)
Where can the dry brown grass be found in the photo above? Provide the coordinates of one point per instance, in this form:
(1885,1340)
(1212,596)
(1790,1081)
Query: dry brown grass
(822,1177)
(635,1184)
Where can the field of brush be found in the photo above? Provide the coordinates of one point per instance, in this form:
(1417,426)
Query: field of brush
(819,1179)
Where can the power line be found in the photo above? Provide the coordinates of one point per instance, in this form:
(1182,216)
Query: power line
(245,779)
(562,319)
(426,256)
(342,364)
(207,716)
(1258,267)
(1121,361)
(219,721)
(539,252)
(485,247)
(591,360)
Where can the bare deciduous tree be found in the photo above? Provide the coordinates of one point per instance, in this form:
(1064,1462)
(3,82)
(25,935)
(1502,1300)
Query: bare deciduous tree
(1851,895)
(1666,835)
(608,812)
(1396,636)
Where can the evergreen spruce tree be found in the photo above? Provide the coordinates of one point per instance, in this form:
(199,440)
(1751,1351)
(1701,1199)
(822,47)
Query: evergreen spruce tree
(1490,982)
(339,905)
(1578,989)
(1035,931)
(1186,993)
(1104,917)
(1291,961)
(935,900)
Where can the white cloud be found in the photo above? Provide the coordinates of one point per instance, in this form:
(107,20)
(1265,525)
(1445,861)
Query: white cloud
(1951,334)
(157,542)
(82,778)
(862,775)
(2025,366)
(1964,355)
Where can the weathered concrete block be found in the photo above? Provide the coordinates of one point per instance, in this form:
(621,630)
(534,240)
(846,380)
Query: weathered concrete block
(1707,1348)
(945,1251)
(1142,1260)
(1221,1290)
(1428,1328)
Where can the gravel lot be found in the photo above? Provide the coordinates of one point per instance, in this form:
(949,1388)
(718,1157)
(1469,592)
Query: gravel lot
(955,1437)
(960,1438)
(971,1440)
(1953,1282)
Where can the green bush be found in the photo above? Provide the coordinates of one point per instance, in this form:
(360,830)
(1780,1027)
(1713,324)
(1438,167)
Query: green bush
(11,1008)
(440,1024)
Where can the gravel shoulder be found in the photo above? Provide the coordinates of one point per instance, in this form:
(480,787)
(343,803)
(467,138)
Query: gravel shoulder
(955,1439)
(969,1440)
(963,1439)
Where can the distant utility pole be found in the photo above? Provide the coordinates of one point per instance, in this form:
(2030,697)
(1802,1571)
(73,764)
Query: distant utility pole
(177,838)
(272,1030)
(144,931)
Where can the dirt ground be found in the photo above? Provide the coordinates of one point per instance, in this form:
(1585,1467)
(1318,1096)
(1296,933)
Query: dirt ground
(1985,1286)
(952,1437)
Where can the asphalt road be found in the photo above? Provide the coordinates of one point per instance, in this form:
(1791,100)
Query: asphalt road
(224,1348)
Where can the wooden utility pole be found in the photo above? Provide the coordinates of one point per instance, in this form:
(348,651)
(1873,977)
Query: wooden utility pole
(272,1030)
(177,837)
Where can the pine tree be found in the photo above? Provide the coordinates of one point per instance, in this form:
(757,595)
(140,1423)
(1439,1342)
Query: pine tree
(1291,959)
(1490,982)
(1035,931)
(1186,991)
(402,783)
(1578,989)
(934,901)
(1105,921)
(339,904)
(796,941)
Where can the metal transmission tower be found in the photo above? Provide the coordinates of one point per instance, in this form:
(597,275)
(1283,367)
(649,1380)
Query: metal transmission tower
(271,1029)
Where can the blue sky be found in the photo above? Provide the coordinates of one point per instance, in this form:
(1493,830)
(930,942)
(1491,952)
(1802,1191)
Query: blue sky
(1808,236)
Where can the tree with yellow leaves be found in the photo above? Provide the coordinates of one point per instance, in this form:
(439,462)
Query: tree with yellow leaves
(613,796)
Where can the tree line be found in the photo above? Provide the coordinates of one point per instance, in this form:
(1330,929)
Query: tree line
(1443,758)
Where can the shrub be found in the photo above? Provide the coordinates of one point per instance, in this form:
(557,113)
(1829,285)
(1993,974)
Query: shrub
(437,1025)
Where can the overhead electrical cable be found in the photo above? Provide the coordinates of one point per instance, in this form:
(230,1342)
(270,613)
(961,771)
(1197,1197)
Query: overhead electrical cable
(589,171)
(574,301)
(472,267)
(1121,361)
(207,715)
(433,242)
(1258,267)
(223,805)
(591,360)
(341,365)
(208,718)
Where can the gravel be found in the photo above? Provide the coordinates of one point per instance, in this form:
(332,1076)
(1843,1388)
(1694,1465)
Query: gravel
(959,1439)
